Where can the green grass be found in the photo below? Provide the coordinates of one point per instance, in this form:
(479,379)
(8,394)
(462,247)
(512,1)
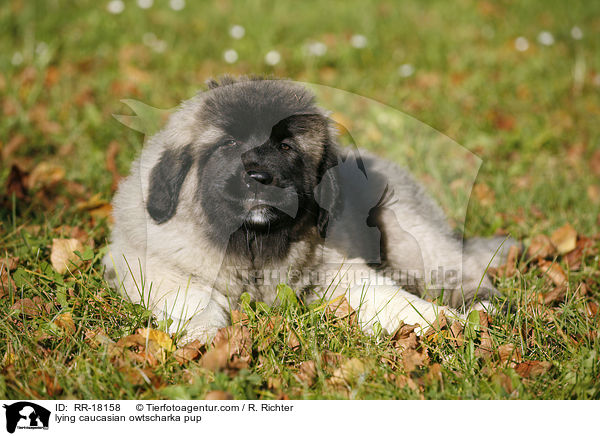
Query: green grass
(531,117)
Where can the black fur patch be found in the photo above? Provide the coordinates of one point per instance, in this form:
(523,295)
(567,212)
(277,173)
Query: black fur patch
(166,179)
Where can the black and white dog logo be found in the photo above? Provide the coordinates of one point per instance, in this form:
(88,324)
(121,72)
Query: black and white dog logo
(26,415)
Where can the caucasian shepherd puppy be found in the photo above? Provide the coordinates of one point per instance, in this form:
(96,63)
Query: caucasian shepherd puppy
(246,187)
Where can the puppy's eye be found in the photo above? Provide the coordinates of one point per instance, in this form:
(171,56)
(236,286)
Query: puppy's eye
(285,146)
(229,143)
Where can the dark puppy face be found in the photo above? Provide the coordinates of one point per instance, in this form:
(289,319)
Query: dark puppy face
(256,180)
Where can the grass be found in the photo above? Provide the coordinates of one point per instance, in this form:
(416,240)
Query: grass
(531,117)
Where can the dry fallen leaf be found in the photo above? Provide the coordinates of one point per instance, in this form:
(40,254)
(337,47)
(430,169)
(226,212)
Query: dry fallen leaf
(62,256)
(564,238)
(65,322)
(6,282)
(307,372)
(509,269)
(161,338)
(348,372)
(532,368)
(188,352)
(541,246)
(111,164)
(456,330)
(595,163)
(574,258)
(218,395)
(484,194)
(231,348)
(509,353)
(341,309)
(405,337)
(45,174)
(554,272)
(413,359)
(27,307)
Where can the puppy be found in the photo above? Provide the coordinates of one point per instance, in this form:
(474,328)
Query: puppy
(246,187)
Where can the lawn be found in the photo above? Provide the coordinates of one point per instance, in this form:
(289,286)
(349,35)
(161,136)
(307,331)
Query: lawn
(515,83)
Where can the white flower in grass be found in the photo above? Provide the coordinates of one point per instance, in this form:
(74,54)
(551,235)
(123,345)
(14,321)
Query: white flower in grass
(521,43)
(159,46)
(358,41)
(17,58)
(177,5)
(145,4)
(406,70)
(115,6)
(576,32)
(41,48)
(272,58)
(545,38)
(230,56)
(237,32)
(315,48)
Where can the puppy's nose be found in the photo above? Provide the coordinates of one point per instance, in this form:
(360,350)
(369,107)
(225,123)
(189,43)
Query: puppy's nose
(261,177)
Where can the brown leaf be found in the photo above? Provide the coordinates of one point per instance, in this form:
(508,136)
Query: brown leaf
(27,307)
(532,368)
(564,238)
(45,174)
(11,146)
(307,372)
(348,372)
(485,349)
(98,338)
(75,232)
(405,337)
(218,395)
(554,272)
(330,358)
(6,282)
(188,352)
(65,322)
(509,353)
(94,202)
(484,194)
(556,294)
(238,317)
(111,164)
(440,323)
(293,341)
(231,347)
(140,377)
(541,246)
(63,257)
(595,163)
(413,359)
(509,269)
(574,258)
(593,193)
(16,183)
(456,330)
(341,309)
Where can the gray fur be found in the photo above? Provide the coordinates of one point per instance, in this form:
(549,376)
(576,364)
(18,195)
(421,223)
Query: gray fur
(182,246)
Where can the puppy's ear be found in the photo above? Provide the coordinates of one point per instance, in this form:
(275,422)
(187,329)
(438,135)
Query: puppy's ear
(166,179)
(328,191)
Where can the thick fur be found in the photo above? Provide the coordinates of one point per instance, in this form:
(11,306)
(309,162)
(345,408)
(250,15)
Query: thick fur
(246,187)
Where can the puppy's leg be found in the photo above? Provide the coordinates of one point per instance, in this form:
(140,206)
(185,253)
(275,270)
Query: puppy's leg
(427,251)
(388,305)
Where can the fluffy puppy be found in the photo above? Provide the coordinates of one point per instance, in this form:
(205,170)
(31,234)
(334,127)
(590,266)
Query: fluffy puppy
(246,187)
